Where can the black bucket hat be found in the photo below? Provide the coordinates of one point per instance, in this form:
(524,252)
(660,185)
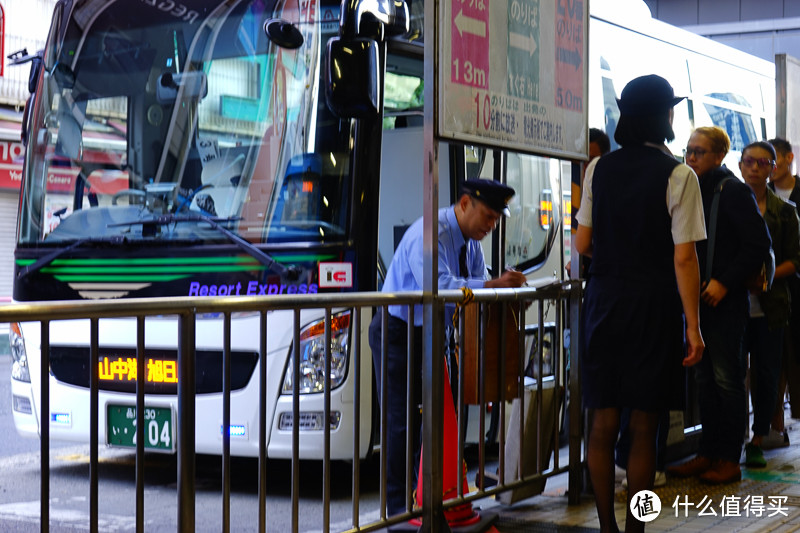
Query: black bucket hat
(647,95)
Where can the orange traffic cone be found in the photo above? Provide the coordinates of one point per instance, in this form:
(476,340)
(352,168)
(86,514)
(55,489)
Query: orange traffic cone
(463,517)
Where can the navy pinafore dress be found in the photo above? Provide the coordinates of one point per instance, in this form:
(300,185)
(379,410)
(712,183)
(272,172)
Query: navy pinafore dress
(632,320)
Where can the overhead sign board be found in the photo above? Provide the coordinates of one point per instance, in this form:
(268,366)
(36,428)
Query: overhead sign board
(513,75)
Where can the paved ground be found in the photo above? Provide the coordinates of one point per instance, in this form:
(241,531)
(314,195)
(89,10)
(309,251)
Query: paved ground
(766,500)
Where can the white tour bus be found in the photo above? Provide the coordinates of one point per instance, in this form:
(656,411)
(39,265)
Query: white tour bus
(193,152)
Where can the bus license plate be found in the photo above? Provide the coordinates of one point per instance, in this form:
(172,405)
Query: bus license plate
(158,429)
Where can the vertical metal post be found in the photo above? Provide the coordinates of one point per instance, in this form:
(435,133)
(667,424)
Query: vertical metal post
(186,422)
(262,426)
(326,438)
(141,381)
(460,407)
(433,321)
(433,519)
(384,408)
(539,388)
(355,334)
(575,400)
(483,321)
(296,421)
(226,423)
(557,359)
(94,422)
(411,444)
(44,441)
(521,365)
(501,386)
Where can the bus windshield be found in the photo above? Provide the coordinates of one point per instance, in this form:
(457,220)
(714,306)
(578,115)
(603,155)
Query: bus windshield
(151,123)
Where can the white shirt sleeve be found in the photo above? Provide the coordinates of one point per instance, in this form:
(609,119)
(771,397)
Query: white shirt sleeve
(584,215)
(685,205)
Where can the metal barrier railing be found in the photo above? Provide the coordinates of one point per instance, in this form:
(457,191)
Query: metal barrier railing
(186,309)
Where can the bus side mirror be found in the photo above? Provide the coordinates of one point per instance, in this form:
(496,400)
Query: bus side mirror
(26,119)
(351,78)
(33,77)
(20,57)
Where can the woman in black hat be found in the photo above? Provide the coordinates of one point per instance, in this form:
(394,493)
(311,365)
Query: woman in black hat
(644,276)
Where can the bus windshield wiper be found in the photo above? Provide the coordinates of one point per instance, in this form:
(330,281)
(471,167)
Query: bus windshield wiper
(55,254)
(291,272)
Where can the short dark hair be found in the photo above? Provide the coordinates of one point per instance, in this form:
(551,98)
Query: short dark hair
(639,129)
(764,145)
(600,138)
(782,146)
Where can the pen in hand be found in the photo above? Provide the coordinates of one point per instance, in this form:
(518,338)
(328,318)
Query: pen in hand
(512,269)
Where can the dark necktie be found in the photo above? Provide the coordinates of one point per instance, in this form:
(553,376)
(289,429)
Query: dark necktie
(463,271)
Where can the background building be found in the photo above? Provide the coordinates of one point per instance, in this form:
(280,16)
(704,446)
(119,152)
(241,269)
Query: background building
(23,26)
(763,28)
(769,29)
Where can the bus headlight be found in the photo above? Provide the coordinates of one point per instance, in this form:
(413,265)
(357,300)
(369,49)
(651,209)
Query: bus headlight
(19,367)
(312,356)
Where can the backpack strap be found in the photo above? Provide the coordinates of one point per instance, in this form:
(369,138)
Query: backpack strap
(712,226)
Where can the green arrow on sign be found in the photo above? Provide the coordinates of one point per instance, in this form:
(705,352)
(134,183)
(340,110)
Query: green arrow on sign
(522,41)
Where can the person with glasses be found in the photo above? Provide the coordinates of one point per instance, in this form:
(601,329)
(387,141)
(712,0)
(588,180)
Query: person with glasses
(769,310)
(741,241)
(644,279)
(787,186)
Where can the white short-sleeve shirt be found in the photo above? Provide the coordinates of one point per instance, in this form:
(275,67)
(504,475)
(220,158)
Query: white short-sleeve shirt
(684,202)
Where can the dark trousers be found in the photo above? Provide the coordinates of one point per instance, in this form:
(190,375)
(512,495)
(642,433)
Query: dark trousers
(790,363)
(720,381)
(396,388)
(766,348)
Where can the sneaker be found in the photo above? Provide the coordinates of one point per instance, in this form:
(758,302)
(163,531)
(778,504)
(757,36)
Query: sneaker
(754,456)
(721,472)
(775,439)
(690,468)
(659,481)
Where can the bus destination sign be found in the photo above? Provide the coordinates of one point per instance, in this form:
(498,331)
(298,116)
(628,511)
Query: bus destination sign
(123,369)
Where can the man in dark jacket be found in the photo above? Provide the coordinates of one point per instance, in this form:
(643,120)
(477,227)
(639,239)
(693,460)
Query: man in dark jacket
(741,243)
(787,186)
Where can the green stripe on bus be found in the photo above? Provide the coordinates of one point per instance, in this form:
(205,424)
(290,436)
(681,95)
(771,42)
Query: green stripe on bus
(118,278)
(145,269)
(179,261)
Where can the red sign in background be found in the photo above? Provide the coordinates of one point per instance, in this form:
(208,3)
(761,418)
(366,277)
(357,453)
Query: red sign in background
(569,54)
(60,178)
(11,156)
(469,59)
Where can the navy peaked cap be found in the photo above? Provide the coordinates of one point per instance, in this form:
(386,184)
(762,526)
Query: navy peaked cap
(647,95)
(494,194)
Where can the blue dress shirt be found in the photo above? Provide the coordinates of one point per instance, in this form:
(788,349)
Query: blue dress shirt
(406,270)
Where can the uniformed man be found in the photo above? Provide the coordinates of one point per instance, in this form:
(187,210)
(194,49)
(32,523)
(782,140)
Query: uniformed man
(461,264)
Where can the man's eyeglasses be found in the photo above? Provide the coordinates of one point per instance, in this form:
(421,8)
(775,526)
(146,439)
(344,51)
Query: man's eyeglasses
(762,162)
(699,152)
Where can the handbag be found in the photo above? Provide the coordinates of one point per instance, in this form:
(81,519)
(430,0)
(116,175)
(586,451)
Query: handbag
(759,281)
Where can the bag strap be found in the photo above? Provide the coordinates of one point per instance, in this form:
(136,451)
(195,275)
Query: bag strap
(712,227)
